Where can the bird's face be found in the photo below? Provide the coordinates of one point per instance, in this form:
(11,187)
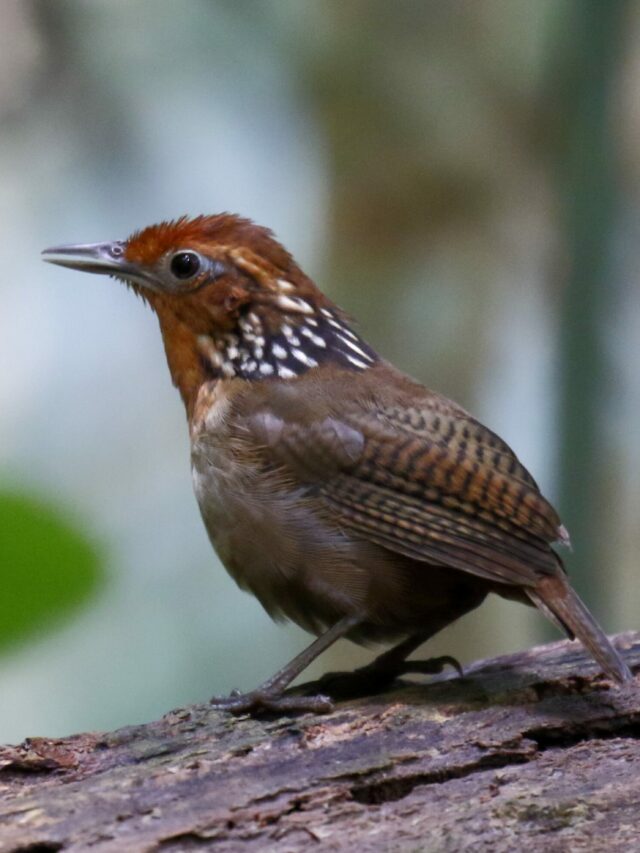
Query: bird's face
(231,300)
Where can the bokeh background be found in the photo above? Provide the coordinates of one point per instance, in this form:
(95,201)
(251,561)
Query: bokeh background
(463,177)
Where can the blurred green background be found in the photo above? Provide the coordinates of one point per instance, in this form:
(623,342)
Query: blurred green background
(463,177)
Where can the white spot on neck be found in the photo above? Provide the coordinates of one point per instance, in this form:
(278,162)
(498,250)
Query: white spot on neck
(294,304)
(302,357)
(315,339)
(354,347)
(284,372)
(356,362)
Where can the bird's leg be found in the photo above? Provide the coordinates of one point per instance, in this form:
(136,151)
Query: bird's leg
(386,668)
(394,662)
(269,695)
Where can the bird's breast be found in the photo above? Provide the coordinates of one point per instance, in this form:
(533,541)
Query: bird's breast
(270,533)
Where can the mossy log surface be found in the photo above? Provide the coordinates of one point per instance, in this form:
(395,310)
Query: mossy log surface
(533,751)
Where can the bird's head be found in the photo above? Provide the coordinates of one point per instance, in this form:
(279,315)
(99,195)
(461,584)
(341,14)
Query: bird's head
(231,301)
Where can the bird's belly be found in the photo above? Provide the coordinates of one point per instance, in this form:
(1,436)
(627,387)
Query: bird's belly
(275,544)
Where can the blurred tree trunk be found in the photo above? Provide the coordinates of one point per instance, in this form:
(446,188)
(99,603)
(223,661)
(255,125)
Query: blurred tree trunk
(585,161)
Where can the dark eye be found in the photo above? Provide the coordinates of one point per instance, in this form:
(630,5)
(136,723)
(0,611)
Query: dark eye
(185,264)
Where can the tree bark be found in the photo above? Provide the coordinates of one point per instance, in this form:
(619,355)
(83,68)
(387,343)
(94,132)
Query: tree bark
(534,751)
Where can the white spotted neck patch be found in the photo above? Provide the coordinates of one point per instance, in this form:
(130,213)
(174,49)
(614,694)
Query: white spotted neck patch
(305,339)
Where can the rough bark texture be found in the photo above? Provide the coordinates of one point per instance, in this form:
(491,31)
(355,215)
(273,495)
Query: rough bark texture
(532,751)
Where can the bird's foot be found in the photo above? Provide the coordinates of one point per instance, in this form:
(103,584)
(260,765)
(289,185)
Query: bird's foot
(432,666)
(376,677)
(262,701)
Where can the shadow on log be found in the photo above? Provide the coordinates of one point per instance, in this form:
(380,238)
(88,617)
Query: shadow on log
(532,751)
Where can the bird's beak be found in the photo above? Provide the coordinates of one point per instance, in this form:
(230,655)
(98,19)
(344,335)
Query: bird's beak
(104,258)
(100,258)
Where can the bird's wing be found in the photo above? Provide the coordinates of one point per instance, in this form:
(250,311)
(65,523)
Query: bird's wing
(427,481)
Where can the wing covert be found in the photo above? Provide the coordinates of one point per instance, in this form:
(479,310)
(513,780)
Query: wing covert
(430,484)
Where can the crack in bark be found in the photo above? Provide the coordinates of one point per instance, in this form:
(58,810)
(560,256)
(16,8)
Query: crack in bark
(544,738)
(550,737)
(391,790)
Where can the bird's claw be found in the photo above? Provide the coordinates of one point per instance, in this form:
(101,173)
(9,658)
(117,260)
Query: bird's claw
(260,701)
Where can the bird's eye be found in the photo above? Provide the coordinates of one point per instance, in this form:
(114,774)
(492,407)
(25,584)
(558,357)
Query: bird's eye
(185,264)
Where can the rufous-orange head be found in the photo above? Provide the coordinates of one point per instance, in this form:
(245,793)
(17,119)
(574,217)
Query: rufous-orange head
(231,301)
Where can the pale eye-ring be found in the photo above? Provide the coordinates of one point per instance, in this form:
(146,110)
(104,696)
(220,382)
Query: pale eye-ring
(184,265)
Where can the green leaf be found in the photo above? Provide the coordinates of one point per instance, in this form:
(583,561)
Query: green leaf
(48,568)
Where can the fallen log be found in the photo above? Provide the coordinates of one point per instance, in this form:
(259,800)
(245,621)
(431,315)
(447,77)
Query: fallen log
(533,751)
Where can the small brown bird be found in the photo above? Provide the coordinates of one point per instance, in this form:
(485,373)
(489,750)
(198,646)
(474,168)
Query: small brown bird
(343,494)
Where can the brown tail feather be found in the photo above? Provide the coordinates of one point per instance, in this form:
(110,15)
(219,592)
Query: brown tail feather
(561,604)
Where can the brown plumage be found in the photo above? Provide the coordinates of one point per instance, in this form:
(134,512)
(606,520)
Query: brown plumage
(342,494)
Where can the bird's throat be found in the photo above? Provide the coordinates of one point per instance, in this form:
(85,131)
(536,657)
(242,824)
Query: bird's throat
(186,366)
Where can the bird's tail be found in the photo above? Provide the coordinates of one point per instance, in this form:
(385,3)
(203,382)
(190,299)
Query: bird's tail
(560,603)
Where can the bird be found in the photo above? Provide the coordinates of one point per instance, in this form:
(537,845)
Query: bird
(343,494)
